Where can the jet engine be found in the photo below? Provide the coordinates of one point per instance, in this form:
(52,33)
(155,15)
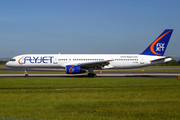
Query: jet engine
(74,69)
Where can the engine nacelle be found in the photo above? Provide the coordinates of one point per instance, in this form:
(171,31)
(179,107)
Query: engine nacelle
(73,69)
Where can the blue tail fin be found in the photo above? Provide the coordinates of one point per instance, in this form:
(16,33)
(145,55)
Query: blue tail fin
(158,46)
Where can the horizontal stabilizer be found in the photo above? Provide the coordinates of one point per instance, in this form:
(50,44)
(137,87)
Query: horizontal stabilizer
(162,59)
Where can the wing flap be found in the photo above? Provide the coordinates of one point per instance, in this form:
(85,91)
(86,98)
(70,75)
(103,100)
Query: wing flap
(95,65)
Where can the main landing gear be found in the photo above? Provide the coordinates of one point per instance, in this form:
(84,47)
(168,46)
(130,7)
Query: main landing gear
(25,73)
(91,73)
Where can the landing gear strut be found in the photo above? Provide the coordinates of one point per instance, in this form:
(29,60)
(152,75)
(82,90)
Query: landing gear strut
(25,73)
(91,73)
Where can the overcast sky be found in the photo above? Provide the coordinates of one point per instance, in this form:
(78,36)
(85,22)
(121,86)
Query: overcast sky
(86,26)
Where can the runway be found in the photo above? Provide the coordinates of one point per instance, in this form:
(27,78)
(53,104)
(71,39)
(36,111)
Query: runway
(145,75)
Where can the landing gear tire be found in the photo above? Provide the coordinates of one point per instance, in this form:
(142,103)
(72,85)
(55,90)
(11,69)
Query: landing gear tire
(26,75)
(91,75)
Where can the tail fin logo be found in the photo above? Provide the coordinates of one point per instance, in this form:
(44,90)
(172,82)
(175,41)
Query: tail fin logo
(159,46)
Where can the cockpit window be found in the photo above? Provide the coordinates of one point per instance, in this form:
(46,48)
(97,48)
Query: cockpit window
(12,59)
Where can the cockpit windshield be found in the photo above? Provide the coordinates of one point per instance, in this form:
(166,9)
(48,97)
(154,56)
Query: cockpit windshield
(12,60)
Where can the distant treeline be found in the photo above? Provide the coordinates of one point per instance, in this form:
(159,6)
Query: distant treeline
(3,62)
(171,63)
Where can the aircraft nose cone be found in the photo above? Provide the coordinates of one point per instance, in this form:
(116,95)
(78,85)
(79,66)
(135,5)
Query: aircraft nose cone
(7,64)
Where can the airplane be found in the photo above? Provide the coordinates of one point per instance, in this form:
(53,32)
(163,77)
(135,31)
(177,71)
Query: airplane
(80,63)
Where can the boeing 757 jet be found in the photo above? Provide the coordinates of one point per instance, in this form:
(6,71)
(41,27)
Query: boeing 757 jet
(80,63)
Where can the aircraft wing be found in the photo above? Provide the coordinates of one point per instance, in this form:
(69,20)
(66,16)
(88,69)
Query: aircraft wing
(95,65)
(161,59)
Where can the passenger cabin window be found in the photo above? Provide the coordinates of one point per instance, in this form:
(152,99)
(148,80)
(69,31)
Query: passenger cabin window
(62,59)
(87,59)
(126,59)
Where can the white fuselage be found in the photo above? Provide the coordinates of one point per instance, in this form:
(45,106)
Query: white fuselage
(117,61)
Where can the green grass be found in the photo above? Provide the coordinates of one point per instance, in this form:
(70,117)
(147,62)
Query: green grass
(125,103)
(55,83)
(3,66)
(90,98)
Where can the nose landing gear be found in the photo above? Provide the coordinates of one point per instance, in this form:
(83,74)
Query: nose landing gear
(25,73)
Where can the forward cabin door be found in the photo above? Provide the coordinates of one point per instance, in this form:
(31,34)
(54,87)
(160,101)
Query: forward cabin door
(55,60)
